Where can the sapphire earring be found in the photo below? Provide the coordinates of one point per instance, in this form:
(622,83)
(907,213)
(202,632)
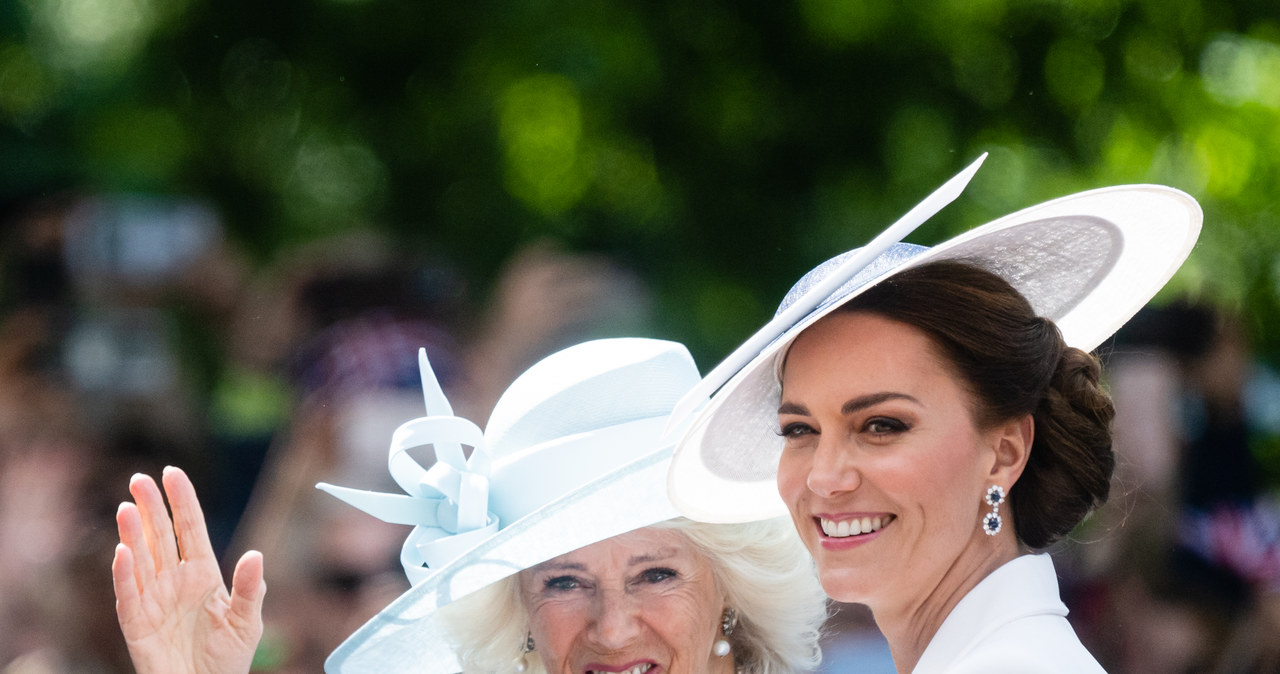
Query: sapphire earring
(991,522)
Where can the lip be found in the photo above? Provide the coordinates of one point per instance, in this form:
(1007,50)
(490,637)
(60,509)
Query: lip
(850,542)
(615,669)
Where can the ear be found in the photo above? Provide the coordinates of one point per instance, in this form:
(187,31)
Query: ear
(1012,447)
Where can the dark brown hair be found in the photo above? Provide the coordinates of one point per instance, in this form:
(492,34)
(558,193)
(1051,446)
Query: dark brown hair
(1013,363)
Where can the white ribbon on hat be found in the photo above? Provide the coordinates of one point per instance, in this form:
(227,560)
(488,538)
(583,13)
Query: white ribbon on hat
(447,504)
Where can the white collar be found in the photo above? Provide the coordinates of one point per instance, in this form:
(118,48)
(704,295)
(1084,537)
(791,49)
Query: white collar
(1024,586)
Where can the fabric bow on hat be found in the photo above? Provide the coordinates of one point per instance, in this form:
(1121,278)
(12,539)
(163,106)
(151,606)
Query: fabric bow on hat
(447,504)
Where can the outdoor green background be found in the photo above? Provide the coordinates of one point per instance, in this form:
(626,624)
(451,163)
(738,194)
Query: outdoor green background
(719,148)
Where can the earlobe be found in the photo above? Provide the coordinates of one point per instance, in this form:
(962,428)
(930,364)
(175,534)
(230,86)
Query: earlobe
(1012,449)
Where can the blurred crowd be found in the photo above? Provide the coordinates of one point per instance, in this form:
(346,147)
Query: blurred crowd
(1180,572)
(134,335)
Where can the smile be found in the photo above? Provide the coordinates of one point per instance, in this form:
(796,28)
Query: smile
(853,527)
(638,669)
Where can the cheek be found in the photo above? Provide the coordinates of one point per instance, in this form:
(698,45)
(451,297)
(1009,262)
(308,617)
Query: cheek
(554,627)
(689,625)
(943,488)
(793,476)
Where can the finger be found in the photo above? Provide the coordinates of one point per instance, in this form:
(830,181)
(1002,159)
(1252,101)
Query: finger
(129,522)
(248,588)
(188,518)
(156,526)
(128,599)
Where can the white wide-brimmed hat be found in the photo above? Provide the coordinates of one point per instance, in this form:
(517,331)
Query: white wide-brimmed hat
(1088,261)
(571,456)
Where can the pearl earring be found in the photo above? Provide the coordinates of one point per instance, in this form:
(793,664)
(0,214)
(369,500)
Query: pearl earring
(730,620)
(522,662)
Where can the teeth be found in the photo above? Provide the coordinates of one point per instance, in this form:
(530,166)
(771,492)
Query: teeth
(853,527)
(638,669)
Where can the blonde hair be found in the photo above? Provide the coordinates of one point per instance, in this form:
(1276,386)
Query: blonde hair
(761,567)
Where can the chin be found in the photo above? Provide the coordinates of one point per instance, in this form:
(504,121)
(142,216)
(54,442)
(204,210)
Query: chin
(844,585)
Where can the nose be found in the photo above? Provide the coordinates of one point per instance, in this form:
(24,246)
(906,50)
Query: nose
(833,468)
(616,622)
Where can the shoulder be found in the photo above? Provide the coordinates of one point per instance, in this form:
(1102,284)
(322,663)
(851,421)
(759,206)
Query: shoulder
(1044,644)
(1013,621)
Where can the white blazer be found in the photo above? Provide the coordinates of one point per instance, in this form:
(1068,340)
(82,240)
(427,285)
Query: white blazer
(1013,621)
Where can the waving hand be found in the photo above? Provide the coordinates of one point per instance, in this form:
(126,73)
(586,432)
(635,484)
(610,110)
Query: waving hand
(173,607)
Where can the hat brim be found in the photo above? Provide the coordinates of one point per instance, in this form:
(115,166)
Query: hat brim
(1088,261)
(406,631)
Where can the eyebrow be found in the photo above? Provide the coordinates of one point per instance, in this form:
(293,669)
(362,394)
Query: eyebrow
(644,558)
(852,405)
(560,566)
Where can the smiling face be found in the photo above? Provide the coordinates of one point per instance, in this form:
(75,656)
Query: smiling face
(645,601)
(883,468)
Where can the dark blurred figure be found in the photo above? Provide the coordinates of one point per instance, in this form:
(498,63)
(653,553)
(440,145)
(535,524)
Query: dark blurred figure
(54,614)
(1181,571)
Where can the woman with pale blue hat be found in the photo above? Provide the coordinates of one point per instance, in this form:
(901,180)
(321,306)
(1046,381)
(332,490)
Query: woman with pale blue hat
(549,546)
(931,419)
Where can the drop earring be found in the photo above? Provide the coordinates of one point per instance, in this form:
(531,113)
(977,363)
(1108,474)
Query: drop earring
(729,621)
(522,662)
(991,522)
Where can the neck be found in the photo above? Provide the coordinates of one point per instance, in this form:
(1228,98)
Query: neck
(910,624)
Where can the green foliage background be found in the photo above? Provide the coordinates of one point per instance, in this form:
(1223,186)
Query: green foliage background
(721,148)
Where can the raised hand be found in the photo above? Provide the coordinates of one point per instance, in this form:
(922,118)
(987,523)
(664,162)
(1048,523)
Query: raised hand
(174,609)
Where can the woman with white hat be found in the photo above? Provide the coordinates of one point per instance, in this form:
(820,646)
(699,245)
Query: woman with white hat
(550,545)
(931,419)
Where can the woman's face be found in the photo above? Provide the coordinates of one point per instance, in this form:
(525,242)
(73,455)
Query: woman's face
(883,468)
(643,602)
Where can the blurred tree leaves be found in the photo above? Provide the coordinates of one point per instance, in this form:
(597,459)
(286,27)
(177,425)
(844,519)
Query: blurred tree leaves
(721,148)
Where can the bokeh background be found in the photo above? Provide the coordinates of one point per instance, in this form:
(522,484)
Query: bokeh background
(226,227)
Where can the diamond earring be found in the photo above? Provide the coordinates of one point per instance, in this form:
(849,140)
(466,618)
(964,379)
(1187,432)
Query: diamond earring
(727,623)
(991,522)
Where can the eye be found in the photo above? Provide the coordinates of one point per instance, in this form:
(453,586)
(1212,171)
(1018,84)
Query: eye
(562,584)
(795,429)
(657,575)
(885,426)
